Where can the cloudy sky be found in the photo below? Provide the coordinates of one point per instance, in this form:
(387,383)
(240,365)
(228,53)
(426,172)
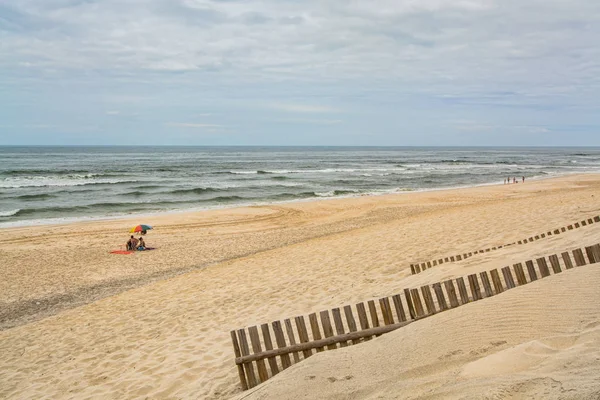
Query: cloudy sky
(292,72)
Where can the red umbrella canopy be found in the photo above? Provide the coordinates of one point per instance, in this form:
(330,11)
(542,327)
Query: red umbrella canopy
(140,228)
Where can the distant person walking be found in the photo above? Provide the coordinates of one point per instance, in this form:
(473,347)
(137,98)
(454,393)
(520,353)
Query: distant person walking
(523,179)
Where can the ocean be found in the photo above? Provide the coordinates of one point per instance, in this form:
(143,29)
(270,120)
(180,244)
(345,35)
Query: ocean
(41,185)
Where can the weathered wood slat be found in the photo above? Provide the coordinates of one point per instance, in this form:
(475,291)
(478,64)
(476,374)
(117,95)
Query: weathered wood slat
(386,310)
(320,343)
(327,329)
(303,334)
(439,294)
(597,218)
(417,268)
(583,223)
(567,260)
(451,293)
(487,287)
(555,264)
(399,308)
(314,327)
(263,374)
(508,278)
(531,271)
(339,325)
(462,289)
(543,266)
(428,299)
(238,354)
(496,281)
(373,313)
(269,346)
(362,317)
(351,322)
(475,289)
(412,269)
(596,252)
(290,333)
(578,256)
(280,339)
(411,307)
(245,350)
(416,299)
(521,279)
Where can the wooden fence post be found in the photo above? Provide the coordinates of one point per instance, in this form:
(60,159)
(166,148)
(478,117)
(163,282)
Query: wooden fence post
(303,334)
(521,280)
(314,327)
(486,284)
(269,346)
(578,255)
(240,367)
(351,322)
(290,332)
(508,278)
(451,293)
(439,294)
(339,325)
(280,340)
(531,271)
(496,281)
(409,303)
(399,308)
(462,289)
(417,302)
(475,289)
(555,264)
(543,266)
(428,299)
(567,259)
(245,350)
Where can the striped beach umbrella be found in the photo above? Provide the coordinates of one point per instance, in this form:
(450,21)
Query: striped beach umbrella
(140,228)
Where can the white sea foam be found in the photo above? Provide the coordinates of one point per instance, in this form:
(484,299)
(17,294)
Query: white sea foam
(9,213)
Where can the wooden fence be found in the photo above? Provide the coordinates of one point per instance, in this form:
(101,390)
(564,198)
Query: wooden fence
(262,351)
(420,267)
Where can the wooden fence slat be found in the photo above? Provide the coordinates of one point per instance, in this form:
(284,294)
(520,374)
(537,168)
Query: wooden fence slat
(428,264)
(434,263)
(245,349)
(428,299)
(423,266)
(386,311)
(531,271)
(462,289)
(590,254)
(440,261)
(452,258)
(290,333)
(570,227)
(521,279)
(567,259)
(537,237)
(412,269)
(439,294)
(555,264)
(583,223)
(373,313)
(475,289)
(557,231)
(416,299)
(280,339)
(543,266)
(399,307)
(409,303)
(351,322)
(314,327)
(417,268)
(577,225)
(339,325)
(596,252)
(240,367)
(508,278)
(451,293)
(327,329)
(263,374)
(487,287)
(597,218)
(590,221)
(362,317)
(303,334)
(269,346)
(496,281)
(543,235)
(578,256)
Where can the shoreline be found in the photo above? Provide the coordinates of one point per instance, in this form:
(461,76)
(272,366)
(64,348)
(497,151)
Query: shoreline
(85,219)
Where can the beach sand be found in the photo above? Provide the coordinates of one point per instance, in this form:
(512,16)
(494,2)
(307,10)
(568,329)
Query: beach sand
(82,323)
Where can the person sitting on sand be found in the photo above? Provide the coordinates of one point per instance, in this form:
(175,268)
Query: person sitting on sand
(132,243)
(141,244)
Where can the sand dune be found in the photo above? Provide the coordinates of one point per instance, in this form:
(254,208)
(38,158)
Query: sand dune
(226,269)
(536,341)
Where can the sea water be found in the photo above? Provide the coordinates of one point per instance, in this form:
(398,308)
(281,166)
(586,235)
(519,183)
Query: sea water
(57,184)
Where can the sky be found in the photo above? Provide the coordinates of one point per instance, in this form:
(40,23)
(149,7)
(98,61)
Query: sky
(292,72)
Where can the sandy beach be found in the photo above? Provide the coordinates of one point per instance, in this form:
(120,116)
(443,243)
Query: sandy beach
(79,322)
